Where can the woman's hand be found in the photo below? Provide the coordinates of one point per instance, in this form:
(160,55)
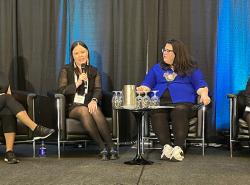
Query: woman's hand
(143,88)
(203,93)
(82,77)
(205,99)
(92,106)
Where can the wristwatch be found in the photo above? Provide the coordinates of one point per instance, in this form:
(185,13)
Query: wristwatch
(95,99)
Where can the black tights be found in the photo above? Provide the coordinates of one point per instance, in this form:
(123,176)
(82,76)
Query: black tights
(179,117)
(95,124)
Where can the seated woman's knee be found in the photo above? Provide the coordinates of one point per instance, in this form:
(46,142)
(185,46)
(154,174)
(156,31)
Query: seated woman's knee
(97,112)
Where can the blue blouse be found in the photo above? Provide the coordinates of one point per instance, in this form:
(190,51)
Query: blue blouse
(182,88)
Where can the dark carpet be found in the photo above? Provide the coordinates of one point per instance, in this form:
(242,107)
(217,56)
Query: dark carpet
(79,166)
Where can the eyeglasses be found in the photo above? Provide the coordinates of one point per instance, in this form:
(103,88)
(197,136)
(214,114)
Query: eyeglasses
(166,50)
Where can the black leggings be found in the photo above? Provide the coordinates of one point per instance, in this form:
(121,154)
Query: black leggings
(95,124)
(8,101)
(179,117)
(8,121)
(9,108)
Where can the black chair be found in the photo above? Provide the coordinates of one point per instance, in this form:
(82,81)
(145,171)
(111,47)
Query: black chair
(239,131)
(72,130)
(196,131)
(23,133)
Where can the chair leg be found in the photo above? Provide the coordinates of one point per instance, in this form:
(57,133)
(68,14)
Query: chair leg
(117,145)
(203,129)
(34,148)
(58,149)
(231,149)
(63,145)
(203,147)
(85,145)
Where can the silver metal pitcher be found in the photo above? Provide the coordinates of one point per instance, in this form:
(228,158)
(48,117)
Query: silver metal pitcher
(129,96)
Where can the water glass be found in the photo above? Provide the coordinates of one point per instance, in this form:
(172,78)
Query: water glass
(115,100)
(138,100)
(145,100)
(155,100)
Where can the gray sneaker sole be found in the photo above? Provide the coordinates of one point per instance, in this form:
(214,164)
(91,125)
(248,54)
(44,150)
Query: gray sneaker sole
(11,162)
(44,137)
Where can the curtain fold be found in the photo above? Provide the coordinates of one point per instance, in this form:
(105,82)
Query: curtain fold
(124,37)
(233,55)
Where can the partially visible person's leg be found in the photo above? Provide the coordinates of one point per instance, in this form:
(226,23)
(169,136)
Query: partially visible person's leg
(9,130)
(82,113)
(180,116)
(103,127)
(104,130)
(160,125)
(17,109)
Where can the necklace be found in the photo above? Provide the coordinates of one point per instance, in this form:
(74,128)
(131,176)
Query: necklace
(170,76)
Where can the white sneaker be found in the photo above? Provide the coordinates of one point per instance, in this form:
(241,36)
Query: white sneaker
(177,154)
(166,152)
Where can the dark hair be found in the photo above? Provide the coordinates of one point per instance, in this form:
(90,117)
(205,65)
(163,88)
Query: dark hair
(76,43)
(183,62)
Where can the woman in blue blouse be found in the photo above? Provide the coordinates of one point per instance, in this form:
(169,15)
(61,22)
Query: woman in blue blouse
(178,81)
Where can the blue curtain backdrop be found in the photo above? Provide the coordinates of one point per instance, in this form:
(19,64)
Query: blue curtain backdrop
(233,55)
(81,25)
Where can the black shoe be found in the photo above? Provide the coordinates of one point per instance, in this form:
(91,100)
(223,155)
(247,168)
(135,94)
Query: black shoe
(42,132)
(10,158)
(113,154)
(104,155)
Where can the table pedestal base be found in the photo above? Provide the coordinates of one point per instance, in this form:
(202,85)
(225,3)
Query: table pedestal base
(139,161)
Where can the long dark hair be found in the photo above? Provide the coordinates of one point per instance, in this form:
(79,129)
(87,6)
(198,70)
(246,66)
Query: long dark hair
(183,62)
(76,43)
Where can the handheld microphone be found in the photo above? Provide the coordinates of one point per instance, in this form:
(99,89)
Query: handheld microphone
(84,70)
(83,67)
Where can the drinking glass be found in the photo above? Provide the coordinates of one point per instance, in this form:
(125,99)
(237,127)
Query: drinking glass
(115,100)
(120,98)
(138,100)
(145,100)
(155,100)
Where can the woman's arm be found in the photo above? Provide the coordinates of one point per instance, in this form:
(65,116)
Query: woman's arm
(97,94)
(63,85)
(149,81)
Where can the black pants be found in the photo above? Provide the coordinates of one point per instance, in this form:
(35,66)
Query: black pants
(8,121)
(179,117)
(9,108)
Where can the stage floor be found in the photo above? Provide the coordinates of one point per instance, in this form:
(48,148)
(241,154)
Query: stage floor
(79,166)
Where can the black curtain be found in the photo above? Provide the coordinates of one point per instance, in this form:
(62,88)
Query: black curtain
(34,35)
(30,44)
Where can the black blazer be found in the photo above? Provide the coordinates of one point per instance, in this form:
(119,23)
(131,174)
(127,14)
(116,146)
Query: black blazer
(66,82)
